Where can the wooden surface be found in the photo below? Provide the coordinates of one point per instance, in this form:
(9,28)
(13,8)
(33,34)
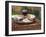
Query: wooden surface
(32,26)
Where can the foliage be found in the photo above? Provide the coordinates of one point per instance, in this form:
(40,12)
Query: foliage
(35,12)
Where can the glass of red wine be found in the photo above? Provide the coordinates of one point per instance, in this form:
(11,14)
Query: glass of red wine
(24,12)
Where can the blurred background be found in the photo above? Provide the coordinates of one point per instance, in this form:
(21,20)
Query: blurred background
(16,10)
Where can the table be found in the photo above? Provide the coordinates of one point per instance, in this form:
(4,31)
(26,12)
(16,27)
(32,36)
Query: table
(36,25)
